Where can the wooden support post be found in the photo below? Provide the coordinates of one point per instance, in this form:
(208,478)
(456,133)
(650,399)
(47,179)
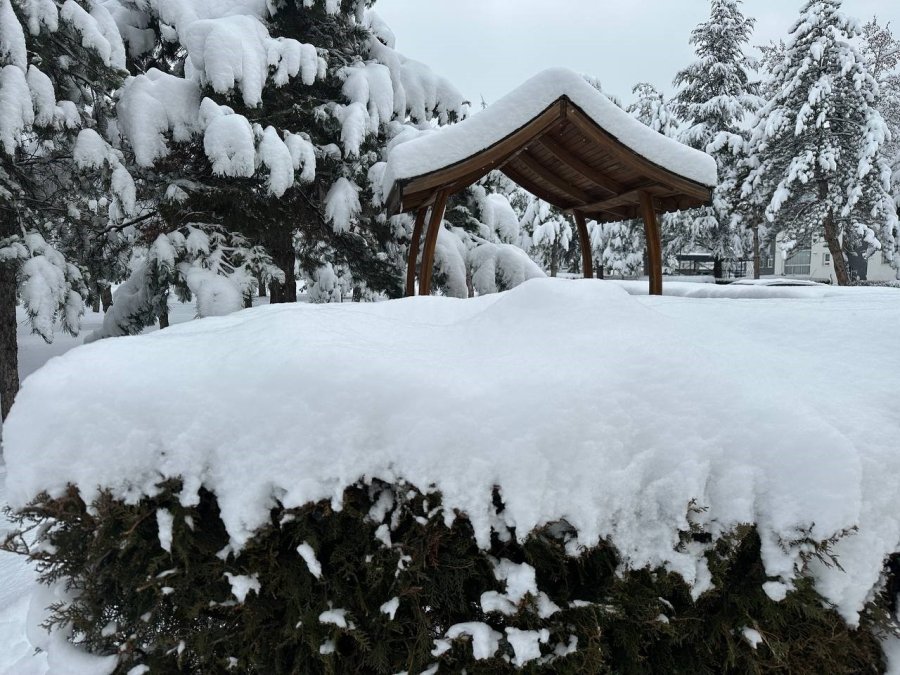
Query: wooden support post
(413,256)
(654,245)
(434,227)
(587,263)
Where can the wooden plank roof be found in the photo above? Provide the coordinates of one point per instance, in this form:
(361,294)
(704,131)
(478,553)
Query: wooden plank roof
(564,154)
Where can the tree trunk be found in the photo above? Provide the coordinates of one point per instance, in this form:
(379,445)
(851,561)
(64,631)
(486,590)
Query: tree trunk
(717,267)
(554,259)
(832,238)
(600,272)
(164,320)
(9,349)
(281,247)
(261,287)
(106,297)
(757,259)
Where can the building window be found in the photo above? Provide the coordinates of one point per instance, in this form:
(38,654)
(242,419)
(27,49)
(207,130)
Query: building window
(827,258)
(798,263)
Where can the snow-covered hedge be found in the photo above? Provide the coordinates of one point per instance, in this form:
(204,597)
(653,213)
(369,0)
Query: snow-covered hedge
(677,438)
(387,585)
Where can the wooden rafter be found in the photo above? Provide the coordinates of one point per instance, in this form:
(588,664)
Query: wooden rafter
(534,165)
(548,197)
(629,197)
(566,157)
(488,159)
(629,157)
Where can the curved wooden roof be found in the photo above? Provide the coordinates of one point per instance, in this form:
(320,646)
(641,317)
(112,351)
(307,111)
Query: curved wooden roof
(562,154)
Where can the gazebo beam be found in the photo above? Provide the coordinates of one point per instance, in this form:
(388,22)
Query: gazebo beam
(575,164)
(492,156)
(434,227)
(414,251)
(587,262)
(628,197)
(564,186)
(629,158)
(654,245)
(517,177)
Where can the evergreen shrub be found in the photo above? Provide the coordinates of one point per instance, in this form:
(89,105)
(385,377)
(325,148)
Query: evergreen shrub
(177,612)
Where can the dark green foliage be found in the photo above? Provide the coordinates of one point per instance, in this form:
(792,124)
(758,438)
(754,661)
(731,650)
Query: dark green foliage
(176,612)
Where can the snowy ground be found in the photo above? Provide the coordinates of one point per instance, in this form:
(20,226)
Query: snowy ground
(808,373)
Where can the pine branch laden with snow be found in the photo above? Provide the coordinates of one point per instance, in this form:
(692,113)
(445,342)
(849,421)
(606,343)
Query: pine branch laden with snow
(715,96)
(301,171)
(58,175)
(816,159)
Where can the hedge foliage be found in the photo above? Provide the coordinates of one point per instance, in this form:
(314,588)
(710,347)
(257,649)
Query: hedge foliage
(176,611)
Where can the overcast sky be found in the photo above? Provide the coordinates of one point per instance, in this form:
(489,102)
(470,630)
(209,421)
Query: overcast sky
(488,47)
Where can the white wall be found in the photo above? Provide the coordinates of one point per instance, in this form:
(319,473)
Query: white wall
(822,269)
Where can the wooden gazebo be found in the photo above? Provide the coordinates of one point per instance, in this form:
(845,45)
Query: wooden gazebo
(566,143)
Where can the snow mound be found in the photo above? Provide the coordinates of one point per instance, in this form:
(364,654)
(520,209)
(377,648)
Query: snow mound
(452,144)
(576,399)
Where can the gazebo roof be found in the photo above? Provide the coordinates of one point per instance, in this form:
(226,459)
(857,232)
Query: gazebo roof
(563,141)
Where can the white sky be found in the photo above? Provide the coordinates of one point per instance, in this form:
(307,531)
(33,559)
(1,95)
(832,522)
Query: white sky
(488,47)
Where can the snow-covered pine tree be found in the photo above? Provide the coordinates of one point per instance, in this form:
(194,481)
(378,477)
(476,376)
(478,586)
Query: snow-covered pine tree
(59,63)
(882,50)
(816,152)
(715,96)
(548,236)
(652,109)
(480,247)
(271,120)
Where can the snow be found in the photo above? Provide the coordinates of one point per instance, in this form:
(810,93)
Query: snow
(12,37)
(455,143)
(752,636)
(164,522)
(335,617)
(242,584)
(342,205)
(892,653)
(216,295)
(152,105)
(485,640)
(390,608)
(228,140)
(309,557)
(16,112)
(98,31)
(526,644)
(43,96)
(793,446)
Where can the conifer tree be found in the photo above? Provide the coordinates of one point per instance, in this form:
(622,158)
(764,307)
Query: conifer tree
(270,121)
(882,51)
(816,152)
(715,96)
(59,62)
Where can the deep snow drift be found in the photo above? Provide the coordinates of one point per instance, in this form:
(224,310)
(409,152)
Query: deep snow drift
(577,399)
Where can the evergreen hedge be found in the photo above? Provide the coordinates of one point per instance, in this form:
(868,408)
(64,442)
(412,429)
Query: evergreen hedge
(176,613)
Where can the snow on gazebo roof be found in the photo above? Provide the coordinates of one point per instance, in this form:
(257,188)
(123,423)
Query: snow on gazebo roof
(561,139)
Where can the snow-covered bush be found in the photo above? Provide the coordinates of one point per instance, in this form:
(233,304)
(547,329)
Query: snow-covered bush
(377,581)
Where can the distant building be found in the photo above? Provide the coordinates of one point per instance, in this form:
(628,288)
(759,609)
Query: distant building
(815,263)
